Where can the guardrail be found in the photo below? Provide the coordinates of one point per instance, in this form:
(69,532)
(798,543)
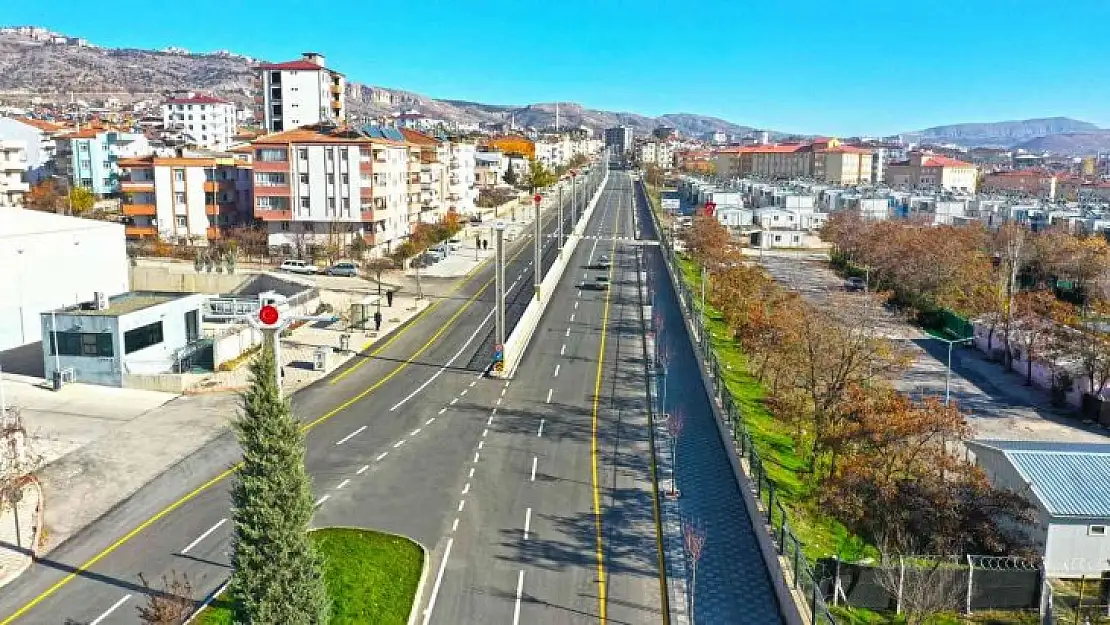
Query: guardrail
(792,565)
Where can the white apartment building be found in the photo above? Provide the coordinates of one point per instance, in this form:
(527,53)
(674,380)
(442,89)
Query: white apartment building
(320,185)
(660,153)
(300,93)
(427,177)
(184,198)
(206,122)
(554,151)
(13,164)
(38,135)
(489,169)
(462,193)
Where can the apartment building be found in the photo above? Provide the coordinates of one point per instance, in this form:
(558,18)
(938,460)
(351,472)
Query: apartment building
(844,165)
(489,169)
(187,198)
(89,158)
(300,93)
(205,121)
(1031,182)
(427,174)
(660,153)
(13,165)
(924,169)
(462,194)
(319,185)
(619,139)
(38,135)
(554,151)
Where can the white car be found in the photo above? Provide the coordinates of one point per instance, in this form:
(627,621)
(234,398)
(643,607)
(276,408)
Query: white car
(299,266)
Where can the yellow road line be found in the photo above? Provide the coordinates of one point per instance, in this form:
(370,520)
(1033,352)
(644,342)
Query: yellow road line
(602,586)
(85,566)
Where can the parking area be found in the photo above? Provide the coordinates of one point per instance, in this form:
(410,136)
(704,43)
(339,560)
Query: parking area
(999,404)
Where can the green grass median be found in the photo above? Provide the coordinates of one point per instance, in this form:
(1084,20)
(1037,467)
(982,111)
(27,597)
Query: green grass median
(371,577)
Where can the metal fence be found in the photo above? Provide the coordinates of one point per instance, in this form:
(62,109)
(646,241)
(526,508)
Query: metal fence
(804,578)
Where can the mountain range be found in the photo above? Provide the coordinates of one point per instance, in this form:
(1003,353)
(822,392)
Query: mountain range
(32,66)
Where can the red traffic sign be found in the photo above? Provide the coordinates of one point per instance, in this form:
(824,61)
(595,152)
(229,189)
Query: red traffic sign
(269,315)
(709,208)
(537,198)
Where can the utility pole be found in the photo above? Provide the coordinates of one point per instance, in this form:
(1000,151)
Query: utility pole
(538,246)
(561,225)
(574,196)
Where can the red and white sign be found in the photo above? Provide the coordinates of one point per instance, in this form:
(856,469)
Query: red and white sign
(269,316)
(537,198)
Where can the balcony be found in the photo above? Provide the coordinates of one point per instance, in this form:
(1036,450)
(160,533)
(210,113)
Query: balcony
(138,232)
(365,166)
(279,191)
(366,192)
(213,233)
(266,214)
(336,89)
(136,186)
(139,210)
(211,209)
(275,166)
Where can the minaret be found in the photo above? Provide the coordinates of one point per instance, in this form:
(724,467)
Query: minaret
(556,117)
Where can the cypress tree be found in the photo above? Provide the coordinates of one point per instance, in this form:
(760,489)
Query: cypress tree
(278,576)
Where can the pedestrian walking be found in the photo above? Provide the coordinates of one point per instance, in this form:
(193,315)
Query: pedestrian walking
(389,298)
(377,320)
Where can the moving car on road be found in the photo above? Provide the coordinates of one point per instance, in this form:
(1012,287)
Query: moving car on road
(299,266)
(854,283)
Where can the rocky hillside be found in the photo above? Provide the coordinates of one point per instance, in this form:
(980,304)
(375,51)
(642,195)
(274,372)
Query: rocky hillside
(1006,134)
(1074,143)
(30,66)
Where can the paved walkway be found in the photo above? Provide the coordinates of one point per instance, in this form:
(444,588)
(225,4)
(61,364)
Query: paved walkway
(732,585)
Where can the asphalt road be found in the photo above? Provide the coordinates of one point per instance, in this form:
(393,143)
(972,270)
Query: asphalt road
(555,520)
(388,437)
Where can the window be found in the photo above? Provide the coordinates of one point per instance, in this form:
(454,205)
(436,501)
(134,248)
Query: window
(285,226)
(302,153)
(343,155)
(270,179)
(330,155)
(309,226)
(190,119)
(304,203)
(344,178)
(82,147)
(142,337)
(272,155)
(1096,530)
(331,203)
(181,223)
(778,238)
(179,198)
(346,204)
(304,178)
(97,345)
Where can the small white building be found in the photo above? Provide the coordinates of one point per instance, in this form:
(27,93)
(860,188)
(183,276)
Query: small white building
(49,261)
(104,340)
(38,136)
(1069,487)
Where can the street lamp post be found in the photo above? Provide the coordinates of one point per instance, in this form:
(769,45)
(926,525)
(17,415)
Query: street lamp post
(538,246)
(499,279)
(948,371)
(574,196)
(560,206)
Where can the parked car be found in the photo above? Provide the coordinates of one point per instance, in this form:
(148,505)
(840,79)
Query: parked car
(441,250)
(854,283)
(344,268)
(299,266)
(454,245)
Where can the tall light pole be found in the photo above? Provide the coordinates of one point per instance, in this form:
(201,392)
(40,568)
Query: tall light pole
(574,196)
(560,205)
(538,247)
(499,280)
(948,371)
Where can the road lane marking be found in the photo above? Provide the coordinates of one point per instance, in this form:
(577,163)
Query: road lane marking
(563,349)
(471,474)
(472,383)
(206,534)
(364,468)
(466,489)
(568,333)
(535,461)
(485,432)
(343,484)
(109,611)
(572,318)
(350,436)
(462,504)
(540,432)
(415,432)
(519,590)
(476,456)
(549,392)
(442,410)
(463,393)
(489,421)
(398,443)
(455,525)
(503,391)
(454,401)
(499,400)
(446,365)
(430,421)
(556,374)
(161,514)
(481,444)
(320,501)
(527,522)
(380,456)
(439,580)
(576,305)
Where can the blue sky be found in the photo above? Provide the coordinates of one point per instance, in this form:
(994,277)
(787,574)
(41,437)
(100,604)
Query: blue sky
(841,68)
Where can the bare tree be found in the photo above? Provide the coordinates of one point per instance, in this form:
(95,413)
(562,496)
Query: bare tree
(17,463)
(374,268)
(1013,252)
(170,604)
(921,586)
(675,423)
(693,535)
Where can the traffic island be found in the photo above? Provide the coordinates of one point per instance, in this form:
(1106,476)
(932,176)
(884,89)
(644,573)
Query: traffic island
(372,577)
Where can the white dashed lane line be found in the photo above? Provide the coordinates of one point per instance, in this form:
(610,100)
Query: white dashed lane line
(350,436)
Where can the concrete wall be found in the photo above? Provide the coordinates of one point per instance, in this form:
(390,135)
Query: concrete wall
(157,278)
(233,341)
(166,382)
(1072,549)
(62,264)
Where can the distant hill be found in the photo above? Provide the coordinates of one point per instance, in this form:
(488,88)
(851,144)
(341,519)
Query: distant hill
(31,65)
(1074,143)
(1007,134)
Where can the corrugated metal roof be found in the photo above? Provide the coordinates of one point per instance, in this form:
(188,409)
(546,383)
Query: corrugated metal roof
(1070,479)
